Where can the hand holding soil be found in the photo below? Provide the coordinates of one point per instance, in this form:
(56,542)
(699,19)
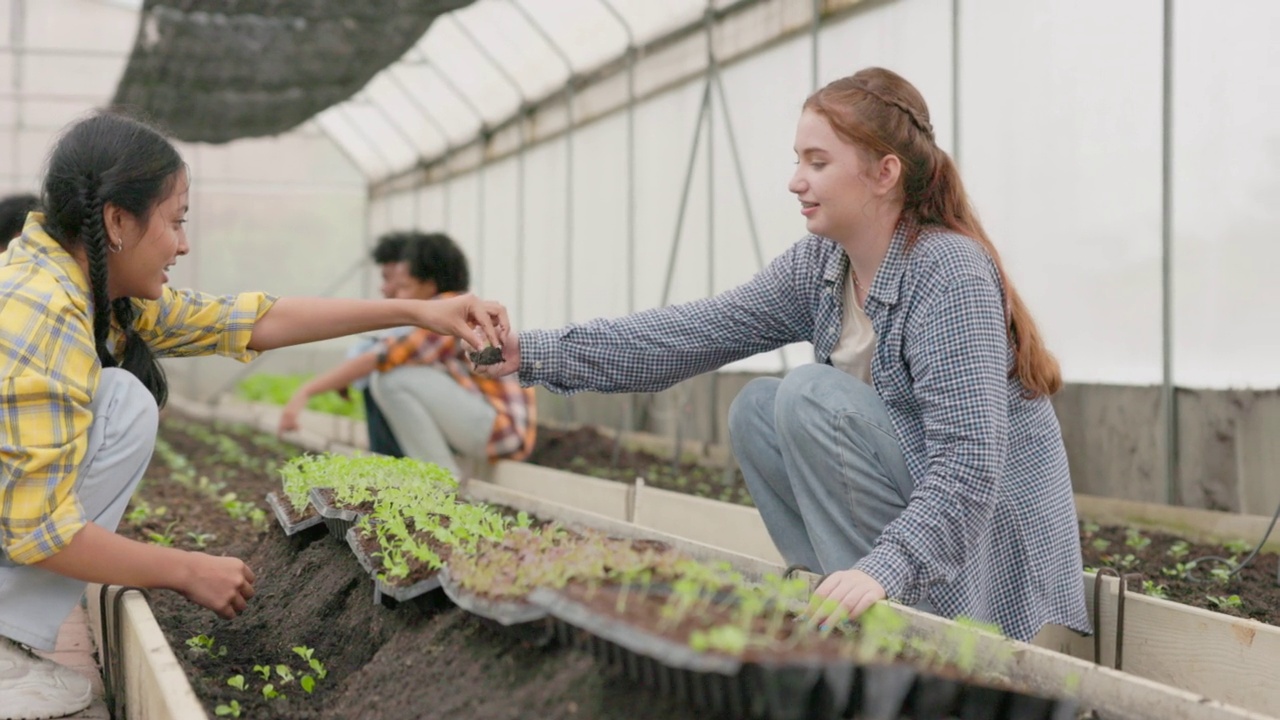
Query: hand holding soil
(221,584)
(501,360)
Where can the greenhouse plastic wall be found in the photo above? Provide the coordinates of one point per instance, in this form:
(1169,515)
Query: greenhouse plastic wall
(1060,140)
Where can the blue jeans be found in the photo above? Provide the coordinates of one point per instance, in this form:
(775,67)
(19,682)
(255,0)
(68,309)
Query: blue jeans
(822,462)
(33,602)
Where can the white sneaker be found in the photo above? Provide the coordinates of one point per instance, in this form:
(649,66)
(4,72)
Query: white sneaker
(32,688)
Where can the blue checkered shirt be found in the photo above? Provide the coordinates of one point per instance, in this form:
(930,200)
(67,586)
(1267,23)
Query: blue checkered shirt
(990,530)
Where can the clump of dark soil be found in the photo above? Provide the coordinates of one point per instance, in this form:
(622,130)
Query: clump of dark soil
(584,450)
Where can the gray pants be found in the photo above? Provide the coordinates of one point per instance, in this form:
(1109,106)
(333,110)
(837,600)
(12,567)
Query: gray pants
(822,462)
(432,416)
(34,602)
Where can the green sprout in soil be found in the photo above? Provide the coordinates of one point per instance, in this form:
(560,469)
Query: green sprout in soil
(1149,587)
(201,540)
(1178,550)
(1100,544)
(1180,570)
(1136,540)
(1225,601)
(232,709)
(236,681)
(163,539)
(264,671)
(307,655)
(204,644)
(1237,547)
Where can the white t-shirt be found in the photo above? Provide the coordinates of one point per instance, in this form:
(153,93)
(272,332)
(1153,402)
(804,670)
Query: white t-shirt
(853,351)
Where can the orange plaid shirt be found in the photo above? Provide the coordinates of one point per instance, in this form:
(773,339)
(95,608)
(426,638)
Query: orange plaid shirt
(515,423)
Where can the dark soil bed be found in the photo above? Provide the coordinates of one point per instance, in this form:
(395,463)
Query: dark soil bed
(417,660)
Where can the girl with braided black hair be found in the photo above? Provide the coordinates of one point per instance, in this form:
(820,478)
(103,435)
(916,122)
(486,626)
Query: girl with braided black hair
(84,314)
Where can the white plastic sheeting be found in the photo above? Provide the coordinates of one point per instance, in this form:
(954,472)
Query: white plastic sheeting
(1059,132)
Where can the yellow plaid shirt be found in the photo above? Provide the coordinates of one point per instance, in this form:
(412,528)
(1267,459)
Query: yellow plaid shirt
(49,373)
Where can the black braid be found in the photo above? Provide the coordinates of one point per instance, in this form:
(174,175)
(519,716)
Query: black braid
(137,357)
(94,236)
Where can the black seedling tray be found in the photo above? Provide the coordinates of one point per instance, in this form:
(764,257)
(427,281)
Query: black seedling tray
(821,690)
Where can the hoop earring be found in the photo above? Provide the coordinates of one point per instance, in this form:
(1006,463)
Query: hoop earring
(115,248)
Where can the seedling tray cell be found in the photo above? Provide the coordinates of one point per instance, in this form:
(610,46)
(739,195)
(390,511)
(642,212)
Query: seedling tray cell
(282,516)
(338,520)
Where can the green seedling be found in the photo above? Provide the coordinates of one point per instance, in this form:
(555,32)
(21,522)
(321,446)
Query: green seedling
(264,671)
(1221,574)
(285,674)
(1149,587)
(1136,540)
(1178,550)
(1225,601)
(1124,562)
(1090,528)
(1237,547)
(307,655)
(232,709)
(164,539)
(1100,544)
(201,540)
(308,684)
(269,692)
(236,681)
(204,644)
(1180,570)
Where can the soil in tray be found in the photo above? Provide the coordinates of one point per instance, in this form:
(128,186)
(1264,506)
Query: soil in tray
(412,661)
(1149,553)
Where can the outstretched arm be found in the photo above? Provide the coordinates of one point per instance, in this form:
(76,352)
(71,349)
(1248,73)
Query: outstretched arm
(296,320)
(336,379)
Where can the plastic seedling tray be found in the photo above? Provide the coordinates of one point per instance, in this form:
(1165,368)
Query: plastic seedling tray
(781,690)
(503,612)
(381,589)
(286,523)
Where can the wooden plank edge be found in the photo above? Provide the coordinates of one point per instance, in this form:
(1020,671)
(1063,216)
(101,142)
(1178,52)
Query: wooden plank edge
(154,684)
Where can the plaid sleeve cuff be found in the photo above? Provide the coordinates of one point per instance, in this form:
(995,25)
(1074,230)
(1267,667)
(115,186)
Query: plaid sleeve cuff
(894,571)
(49,537)
(539,364)
(246,311)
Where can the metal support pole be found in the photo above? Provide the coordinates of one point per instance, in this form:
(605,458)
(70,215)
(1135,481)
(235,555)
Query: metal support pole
(570,128)
(713,74)
(1168,389)
(520,230)
(955,82)
(684,194)
(629,408)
